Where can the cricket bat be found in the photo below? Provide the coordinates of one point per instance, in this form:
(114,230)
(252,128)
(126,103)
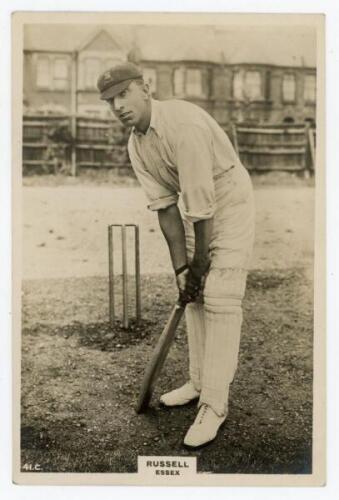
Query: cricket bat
(158,358)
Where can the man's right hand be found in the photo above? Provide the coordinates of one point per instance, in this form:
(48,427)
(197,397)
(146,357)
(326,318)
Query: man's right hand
(186,294)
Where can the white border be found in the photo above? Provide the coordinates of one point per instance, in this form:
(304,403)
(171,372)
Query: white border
(296,6)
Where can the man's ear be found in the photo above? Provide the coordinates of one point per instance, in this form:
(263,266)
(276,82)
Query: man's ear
(146,90)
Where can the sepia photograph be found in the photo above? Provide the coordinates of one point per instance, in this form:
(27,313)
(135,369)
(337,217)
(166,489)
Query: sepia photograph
(168,262)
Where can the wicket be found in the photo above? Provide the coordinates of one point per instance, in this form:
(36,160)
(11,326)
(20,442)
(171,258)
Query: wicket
(111,247)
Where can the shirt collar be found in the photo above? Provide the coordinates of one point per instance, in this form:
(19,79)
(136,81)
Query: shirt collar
(154,123)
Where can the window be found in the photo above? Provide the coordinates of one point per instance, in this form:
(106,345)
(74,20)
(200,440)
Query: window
(238,87)
(91,71)
(288,88)
(310,88)
(253,85)
(60,80)
(268,85)
(193,82)
(179,81)
(247,85)
(43,72)
(150,77)
(188,82)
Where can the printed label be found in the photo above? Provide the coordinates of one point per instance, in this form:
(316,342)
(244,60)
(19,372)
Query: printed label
(167,467)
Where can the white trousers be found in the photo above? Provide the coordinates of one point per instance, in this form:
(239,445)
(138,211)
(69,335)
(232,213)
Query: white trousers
(214,322)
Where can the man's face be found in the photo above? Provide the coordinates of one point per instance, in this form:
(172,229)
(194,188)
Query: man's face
(130,105)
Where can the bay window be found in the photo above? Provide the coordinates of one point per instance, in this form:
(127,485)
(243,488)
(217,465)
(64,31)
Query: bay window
(60,74)
(188,82)
(179,81)
(289,88)
(92,68)
(193,83)
(247,85)
(43,79)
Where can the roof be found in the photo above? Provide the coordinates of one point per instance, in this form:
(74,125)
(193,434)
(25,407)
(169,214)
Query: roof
(177,43)
(281,46)
(66,37)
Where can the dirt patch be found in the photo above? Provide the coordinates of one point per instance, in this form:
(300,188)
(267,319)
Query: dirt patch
(80,380)
(65,230)
(266,281)
(121,178)
(97,335)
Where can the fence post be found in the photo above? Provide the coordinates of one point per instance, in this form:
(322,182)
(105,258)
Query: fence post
(312,146)
(235,138)
(74,114)
(306,162)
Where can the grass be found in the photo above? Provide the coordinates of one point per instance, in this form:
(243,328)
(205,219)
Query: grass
(80,380)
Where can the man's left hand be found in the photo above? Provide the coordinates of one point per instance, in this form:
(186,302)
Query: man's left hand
(195,277)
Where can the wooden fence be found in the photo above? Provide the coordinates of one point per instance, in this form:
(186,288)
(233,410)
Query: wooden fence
(48,145)
(36,143)
(275,147)
(99,143)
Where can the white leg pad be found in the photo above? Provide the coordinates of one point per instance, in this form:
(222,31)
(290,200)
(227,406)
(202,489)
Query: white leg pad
(223,294)
(195,322)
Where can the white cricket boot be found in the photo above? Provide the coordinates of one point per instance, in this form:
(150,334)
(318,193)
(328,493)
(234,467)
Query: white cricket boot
(181,396)
(204,428)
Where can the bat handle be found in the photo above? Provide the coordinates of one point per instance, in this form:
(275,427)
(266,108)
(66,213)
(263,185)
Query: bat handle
(181,303)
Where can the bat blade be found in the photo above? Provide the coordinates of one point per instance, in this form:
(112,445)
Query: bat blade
(158,358)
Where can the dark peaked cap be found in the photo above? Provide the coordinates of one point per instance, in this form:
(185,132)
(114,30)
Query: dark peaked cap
(116,79)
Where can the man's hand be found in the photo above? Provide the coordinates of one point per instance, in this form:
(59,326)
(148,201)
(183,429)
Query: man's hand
(201,261)
(195,277)
(188,288)
(190,279)
(181,277)
(200,266)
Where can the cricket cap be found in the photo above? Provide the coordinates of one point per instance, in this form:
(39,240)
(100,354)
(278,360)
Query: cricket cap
(116,79)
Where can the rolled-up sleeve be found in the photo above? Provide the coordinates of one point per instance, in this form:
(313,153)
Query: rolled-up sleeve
(194,153)
(158,195)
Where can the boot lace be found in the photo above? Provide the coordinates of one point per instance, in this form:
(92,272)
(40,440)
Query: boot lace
(202,413)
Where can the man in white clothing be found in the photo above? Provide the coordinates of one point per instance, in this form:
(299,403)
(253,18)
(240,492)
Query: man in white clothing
(203,196)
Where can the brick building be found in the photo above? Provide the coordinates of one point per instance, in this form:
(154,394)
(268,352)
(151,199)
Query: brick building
(236,74)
